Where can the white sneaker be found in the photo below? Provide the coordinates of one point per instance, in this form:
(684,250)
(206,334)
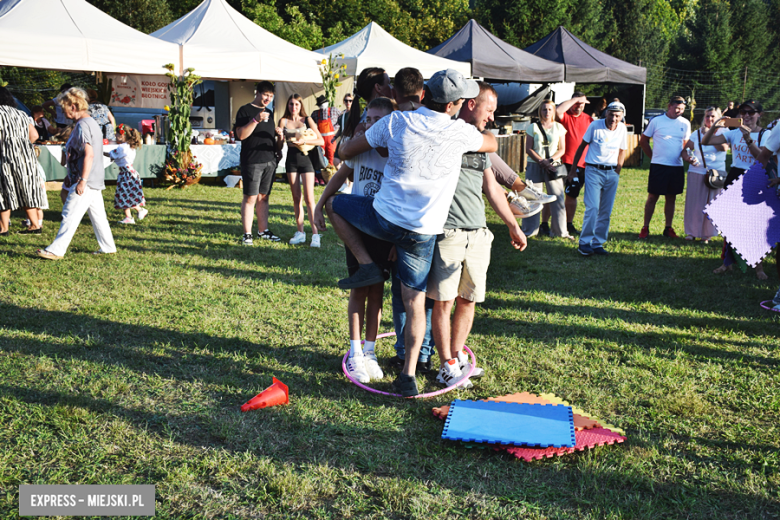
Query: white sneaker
(532,193)
(372,365)
(142,212)
(298,238)
(521,207)
(315,240)
(356,367)
(450,374)
(465,366)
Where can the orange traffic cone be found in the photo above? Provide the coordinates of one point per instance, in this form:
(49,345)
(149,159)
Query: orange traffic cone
(275,394)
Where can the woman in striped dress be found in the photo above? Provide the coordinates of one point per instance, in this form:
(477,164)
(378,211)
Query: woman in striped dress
(19,184)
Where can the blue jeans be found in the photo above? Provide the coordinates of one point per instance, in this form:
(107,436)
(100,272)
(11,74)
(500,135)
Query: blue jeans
(599,198)
(415,250)
(399,321)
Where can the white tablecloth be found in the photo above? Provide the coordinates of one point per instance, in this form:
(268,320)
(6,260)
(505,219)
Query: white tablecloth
(56,151)
(216,157)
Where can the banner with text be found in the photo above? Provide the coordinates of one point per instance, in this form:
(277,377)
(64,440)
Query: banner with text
(132,90)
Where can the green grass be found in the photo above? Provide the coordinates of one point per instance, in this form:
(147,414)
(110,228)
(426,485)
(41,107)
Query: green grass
(131,369)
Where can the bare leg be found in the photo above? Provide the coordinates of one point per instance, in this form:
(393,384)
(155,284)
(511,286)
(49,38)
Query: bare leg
(414,303)
(40,216)
(349,235)
(128,214)
(374,310)
(440,327)
(295,188)
(5,220)
(32,215)
(650,208)
(307,180)
(571,209)
(247,210)
(669,209)
(356,309)
(462,322)
(262,212)
(760,274)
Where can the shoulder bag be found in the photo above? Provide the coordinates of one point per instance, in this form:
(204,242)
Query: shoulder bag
(560,170)
(714,179)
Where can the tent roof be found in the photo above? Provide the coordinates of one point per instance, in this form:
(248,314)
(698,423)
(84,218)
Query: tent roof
(372,46)
(74,35)
(493,58)
(219,42)
(583,63)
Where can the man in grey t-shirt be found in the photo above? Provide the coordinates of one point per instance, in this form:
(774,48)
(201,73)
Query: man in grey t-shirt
(462,254)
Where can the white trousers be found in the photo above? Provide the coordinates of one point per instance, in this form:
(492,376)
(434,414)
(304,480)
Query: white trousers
(91,201)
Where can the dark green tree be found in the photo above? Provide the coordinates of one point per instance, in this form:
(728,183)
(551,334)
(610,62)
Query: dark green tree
(143,15)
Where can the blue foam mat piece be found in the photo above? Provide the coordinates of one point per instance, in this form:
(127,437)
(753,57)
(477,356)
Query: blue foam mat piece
(515,424)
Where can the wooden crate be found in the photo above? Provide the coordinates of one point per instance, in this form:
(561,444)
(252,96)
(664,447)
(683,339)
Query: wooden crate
(633,153)
(511,148)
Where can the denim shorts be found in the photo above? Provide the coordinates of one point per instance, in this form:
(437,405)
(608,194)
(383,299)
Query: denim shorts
(415,250)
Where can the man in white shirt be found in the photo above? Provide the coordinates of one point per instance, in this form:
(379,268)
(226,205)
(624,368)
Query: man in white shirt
(607,141)
(669,133)
(425,149)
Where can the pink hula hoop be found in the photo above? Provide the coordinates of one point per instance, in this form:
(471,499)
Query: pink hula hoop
(419,396)
(764,305)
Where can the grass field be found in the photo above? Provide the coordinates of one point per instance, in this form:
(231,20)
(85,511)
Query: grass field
(130,369)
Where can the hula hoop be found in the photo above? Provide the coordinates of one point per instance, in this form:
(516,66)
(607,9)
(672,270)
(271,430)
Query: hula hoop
(418,396)
(766,305)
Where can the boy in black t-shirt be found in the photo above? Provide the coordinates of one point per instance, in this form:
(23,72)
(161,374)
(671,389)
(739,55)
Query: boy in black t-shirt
(259,149)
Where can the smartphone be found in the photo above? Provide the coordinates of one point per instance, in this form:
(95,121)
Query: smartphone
(732,121)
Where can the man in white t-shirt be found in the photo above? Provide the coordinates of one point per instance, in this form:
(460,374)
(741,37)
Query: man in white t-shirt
(607,141)
(425,149)
(669,133)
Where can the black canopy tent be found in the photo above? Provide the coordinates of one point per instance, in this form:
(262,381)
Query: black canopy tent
(497,61)
(584,64)
(494,59)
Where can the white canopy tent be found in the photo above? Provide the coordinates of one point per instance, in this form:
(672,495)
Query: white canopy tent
(372,46)
(220,43)
(74,35)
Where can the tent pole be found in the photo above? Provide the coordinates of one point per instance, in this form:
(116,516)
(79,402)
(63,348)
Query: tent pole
(181,59)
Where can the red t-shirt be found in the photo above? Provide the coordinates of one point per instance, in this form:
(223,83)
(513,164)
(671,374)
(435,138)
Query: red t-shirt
(575,129)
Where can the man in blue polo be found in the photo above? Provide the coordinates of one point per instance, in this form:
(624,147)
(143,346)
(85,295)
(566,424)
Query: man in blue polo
(425,148)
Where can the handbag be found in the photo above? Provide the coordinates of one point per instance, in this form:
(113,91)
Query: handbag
(318,159)
(560,169)
(714,179)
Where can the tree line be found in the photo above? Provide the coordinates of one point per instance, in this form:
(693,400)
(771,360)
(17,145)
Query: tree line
(697,35)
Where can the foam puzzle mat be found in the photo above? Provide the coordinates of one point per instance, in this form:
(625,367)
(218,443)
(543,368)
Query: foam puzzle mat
(540,425)
(747,214)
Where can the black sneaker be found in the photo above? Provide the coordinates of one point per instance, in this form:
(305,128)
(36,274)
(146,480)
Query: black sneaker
(246,239)
(572,230)
(268,235)
(422,367)
(600,251)
(405,385)
(544,229)
(29,231)
(367,274)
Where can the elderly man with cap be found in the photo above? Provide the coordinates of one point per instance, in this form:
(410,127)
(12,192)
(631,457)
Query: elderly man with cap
(607,141)
(669,133)
(425,148)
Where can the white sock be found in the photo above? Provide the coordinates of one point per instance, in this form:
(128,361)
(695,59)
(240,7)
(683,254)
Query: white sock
(355,348)
(368,346)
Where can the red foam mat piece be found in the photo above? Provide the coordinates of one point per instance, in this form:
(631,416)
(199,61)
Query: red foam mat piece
(586,439)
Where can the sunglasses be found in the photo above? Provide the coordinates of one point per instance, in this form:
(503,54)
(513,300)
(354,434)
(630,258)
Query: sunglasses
(347,101)
(748,112)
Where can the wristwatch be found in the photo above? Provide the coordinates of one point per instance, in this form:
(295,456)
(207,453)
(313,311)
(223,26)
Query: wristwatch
(749,142)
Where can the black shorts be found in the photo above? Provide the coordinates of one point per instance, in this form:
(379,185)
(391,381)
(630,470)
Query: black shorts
(573,188)
(258,179)
(665,180)
(297,162)
(379,250)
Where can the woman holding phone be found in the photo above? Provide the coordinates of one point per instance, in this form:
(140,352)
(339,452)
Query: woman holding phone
(745,143)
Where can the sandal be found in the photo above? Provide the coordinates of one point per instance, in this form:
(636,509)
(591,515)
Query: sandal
(47,255)
(690,237)
(722,269)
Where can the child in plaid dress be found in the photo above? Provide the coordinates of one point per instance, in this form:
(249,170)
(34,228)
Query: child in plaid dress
(129,192)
